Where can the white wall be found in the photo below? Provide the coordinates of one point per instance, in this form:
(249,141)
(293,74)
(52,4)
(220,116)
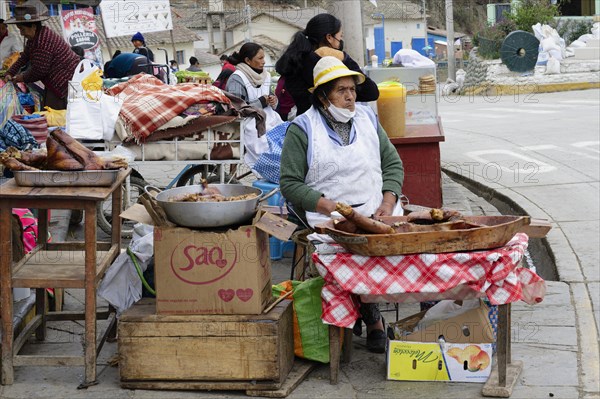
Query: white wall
(396,31)
(268,26)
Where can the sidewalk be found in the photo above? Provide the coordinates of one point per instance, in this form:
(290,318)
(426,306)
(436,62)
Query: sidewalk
(545,338)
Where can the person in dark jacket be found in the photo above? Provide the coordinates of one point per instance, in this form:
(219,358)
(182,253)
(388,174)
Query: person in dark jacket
(140,46)
(321,37)
(47,56)
(227,68)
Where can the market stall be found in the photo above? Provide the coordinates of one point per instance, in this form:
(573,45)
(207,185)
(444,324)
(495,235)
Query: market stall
(391,268)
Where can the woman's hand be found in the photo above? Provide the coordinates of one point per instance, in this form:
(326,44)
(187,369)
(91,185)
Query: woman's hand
(272,101)
(325,206)
(8,78)
(387,205)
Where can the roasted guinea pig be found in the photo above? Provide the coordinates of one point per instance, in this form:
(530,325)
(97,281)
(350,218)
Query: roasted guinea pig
(66,153)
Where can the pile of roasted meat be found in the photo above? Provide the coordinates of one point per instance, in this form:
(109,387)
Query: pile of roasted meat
(429,220)
(62,152)
(200,197)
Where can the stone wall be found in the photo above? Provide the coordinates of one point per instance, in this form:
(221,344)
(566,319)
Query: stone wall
(483,74)
(476,72)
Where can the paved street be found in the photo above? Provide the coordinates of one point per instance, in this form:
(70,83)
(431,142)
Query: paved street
(541,151)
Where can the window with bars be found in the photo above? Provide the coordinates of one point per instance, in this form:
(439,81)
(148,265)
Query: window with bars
(180,57)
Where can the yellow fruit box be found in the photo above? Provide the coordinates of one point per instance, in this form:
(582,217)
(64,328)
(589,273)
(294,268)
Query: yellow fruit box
(455,349)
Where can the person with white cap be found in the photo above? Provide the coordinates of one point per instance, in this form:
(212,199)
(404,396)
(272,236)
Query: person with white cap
(338,151)
(47,56)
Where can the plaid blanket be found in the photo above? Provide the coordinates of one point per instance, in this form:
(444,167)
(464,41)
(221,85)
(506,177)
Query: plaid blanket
(149,103)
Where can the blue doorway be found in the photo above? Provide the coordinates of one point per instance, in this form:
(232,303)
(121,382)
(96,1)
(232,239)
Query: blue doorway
(379,43)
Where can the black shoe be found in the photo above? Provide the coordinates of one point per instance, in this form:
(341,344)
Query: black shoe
(357,329)
(376,341)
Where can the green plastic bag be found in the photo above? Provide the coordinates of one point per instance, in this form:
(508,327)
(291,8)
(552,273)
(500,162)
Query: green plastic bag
(311,335)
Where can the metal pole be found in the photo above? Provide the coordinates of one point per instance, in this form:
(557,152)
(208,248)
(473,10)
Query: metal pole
(450,40)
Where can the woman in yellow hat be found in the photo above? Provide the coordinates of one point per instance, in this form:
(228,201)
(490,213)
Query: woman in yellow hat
(338,151)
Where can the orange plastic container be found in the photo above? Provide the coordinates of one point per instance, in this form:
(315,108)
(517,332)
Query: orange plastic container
(391,107)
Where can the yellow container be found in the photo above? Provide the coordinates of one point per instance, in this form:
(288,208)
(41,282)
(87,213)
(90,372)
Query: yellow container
(391,107)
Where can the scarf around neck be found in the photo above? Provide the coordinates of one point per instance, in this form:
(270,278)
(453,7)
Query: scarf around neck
(342,129)
(255,78)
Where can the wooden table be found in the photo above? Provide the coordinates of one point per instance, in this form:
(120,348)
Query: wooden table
(419,150)
(418,277)
(77,265)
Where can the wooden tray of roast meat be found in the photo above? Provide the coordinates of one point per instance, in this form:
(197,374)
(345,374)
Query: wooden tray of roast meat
(495,232)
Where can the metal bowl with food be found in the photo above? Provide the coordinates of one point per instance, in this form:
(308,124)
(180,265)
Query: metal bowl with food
(223,211)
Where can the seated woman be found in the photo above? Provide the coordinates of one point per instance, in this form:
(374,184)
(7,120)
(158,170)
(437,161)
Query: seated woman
(252,84)
(337,151)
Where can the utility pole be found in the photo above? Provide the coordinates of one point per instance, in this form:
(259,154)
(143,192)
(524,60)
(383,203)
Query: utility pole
(450,40)
(350,13)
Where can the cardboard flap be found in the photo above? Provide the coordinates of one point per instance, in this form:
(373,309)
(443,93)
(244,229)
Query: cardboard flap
(137,213)
(473,326)
(276,226)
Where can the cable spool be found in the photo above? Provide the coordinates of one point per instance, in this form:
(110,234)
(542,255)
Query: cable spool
(519,51)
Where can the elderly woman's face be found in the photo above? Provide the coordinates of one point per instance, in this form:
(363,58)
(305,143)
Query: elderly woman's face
(343,94)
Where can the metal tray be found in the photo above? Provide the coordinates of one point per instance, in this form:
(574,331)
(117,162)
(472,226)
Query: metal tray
(57,178)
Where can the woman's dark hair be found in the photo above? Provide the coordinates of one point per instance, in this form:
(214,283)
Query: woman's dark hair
(172,62)
(193,60)
(323,91)
(303,42)
(248,50)
(223,57)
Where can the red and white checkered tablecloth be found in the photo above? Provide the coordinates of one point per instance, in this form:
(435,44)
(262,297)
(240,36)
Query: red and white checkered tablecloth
(494,273)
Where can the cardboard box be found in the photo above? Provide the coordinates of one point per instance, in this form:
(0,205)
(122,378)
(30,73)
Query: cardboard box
(212,271)
(465,354)
(205,348)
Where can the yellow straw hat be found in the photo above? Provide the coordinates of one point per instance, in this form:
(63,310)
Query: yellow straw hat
(330,68)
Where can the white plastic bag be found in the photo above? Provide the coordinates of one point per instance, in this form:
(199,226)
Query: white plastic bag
(444,310)
(93,116)
(121,286)
(553,66)
(83,70)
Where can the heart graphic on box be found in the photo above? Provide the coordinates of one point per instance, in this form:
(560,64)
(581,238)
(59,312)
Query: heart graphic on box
(226,295)
(244,294)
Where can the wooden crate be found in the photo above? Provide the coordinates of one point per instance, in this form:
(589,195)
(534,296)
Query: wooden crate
(205,351)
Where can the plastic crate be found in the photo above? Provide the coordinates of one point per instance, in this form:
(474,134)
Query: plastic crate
(277,248)
(266,186)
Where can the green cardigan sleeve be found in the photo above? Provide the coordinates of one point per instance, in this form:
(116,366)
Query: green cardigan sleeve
(391,164)
(294,168)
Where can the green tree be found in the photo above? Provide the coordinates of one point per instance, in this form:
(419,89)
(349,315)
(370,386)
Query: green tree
(527,13)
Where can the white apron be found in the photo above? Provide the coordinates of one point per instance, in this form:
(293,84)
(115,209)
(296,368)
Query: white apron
(350,174)
(257,145)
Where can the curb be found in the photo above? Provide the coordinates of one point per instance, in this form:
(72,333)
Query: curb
(528,88)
